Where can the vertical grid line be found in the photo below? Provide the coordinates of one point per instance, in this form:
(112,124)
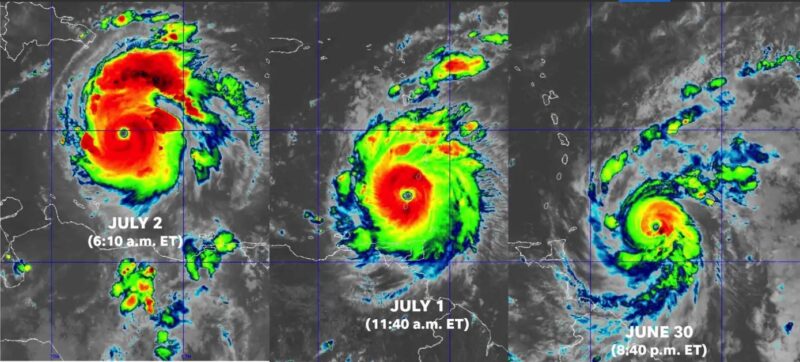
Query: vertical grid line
(722,194)
(449,190)
(589,227)
(50,195)
(317,226)
(1,171)
(183,180)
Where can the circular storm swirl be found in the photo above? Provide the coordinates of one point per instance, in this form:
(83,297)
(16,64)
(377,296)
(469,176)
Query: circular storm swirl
(403,195)
(130,142)
(658,223)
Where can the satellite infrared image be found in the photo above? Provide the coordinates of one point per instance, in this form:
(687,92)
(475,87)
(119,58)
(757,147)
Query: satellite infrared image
(400,181)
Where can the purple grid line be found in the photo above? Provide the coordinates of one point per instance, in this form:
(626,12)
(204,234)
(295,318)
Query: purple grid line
(449,190)
(589,229)
(50,194)
(722,199)
(184,355)
(1,173)
(349,261)
(318,133)
(501,130)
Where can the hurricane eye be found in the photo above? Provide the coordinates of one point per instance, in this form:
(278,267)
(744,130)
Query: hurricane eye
(656,225)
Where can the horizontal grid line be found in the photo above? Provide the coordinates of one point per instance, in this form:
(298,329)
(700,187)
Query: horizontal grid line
(520,261)
(331,130)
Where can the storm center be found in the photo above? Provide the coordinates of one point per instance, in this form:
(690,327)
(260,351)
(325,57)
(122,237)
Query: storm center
(123,133)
